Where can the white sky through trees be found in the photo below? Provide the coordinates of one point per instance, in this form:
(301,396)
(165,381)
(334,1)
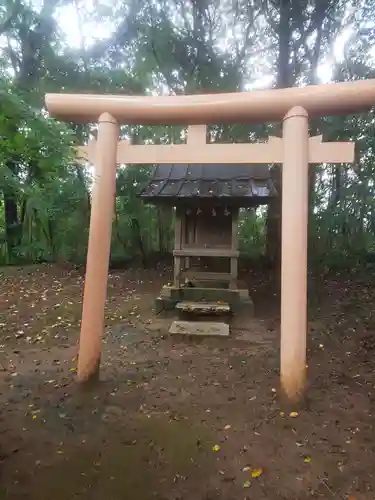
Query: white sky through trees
(76,28)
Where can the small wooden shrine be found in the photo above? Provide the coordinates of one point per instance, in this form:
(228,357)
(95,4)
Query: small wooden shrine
(207,199)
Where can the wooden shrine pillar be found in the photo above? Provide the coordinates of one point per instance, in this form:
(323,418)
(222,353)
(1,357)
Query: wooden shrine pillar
(102,207)
(178,233)
(234,260)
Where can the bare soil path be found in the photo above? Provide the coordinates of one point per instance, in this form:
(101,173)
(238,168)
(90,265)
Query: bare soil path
(177,419)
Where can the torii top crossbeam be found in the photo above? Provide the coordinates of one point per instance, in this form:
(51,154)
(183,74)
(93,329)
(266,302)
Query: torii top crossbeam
(242,107)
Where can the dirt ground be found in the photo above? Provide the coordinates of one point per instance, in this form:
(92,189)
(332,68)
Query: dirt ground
(176,418)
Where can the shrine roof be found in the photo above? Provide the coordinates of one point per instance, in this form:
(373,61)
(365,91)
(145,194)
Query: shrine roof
(220,181)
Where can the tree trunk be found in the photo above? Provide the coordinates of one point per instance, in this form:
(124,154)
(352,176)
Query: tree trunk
(81,179)
(13,228)
(12,223)
(284,79)
(137,235)
(161,238)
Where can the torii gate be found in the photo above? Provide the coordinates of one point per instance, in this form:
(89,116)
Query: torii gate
(295,150)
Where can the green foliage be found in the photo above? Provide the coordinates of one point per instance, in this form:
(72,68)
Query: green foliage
(170,46)
(35,157)
(252,232)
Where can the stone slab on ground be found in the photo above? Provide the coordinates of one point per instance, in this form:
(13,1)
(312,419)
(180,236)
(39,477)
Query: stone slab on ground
(204,328)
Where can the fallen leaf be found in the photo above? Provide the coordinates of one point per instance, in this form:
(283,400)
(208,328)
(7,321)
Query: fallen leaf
(228,426)
(247,484)
(257,472)
(293,414)
(307,460)
(216,448)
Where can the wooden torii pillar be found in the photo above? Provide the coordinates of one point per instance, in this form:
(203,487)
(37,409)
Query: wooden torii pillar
(298,152)
(97,263)
(295,151)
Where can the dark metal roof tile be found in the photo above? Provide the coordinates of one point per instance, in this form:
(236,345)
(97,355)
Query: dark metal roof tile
(209,180)
(171,188)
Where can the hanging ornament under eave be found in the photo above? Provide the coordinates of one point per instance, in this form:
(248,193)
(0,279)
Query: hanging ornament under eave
(214,212)
(226,211)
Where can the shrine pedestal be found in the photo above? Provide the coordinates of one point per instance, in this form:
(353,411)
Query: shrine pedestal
(237,298)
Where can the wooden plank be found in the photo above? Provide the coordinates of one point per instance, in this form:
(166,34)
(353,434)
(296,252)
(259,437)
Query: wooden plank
(205,275)
(206,252)
(203,307)
(202,328)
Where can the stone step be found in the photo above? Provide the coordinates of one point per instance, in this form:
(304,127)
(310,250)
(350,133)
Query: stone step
(202,328)
(203,307)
